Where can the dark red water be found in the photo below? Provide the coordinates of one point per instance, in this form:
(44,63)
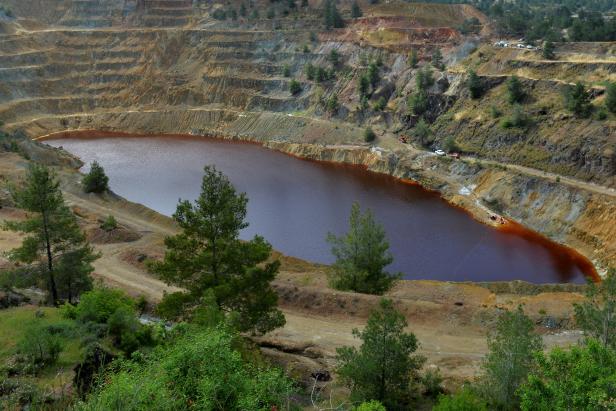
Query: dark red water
(295,203)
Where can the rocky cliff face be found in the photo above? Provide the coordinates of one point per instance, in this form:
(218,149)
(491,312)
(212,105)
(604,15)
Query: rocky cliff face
(169,66)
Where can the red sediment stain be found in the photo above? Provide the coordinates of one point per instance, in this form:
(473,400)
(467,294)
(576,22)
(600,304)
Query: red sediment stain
(563,257)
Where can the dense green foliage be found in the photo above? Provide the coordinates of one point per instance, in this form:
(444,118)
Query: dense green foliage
(208,255)
(361,256)
(39,347)
(384,367)
(515,90)
(597,315)
(464,400)
(54,249)
(96,181)
(369,135)
(585,20)
(577,100)
(331,15)
(437,59)
(422,131)
(582,378)
(511,349)
(370,406)
(199,371)
(418,102)
(295,87)
(548,50)
(109,224)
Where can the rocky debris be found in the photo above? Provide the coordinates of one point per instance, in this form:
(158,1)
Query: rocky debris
(10,298)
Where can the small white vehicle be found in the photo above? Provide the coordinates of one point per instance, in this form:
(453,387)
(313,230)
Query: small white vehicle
(439,152)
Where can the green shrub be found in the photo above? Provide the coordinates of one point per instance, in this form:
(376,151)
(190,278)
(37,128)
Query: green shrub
(577,100)
(371,406)
(432,381)
(465,400)
(96,181)
(200,371)
(515,91)
(109,224)
(294,87)
(369,135)
(99,305)
(418,102)
(517,118)
(380,104)
(39,347)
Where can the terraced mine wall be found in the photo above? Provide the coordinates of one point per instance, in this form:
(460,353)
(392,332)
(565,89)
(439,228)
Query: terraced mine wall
(166,66)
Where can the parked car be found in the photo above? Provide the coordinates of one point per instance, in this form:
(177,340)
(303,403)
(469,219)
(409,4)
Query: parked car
(439,152)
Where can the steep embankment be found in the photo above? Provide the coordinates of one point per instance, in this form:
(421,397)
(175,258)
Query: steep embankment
(169,66)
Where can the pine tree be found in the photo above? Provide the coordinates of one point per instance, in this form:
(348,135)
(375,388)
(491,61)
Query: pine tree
(413,59)
(295,87)
(437,59)
(548,50)
(208,256)
(577,100)
(361,256)
(515,91)
(511,349)
(474,84)
(363,86)
(355,10)
(384,367)
(96,181)
(53,236)
(331,15)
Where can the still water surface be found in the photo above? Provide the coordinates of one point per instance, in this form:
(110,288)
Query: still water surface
(294,204)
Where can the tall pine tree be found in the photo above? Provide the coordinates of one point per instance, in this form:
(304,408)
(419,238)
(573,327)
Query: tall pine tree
(55,246)
(208,257)
(361,256)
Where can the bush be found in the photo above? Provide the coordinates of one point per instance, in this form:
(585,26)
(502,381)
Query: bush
(515,91)
(577,100)
(418,102)
(432,381)
(96,181)
(369,135)
(99,305)
(200,371)
(465,400)
(109,224)
(582,378)
(380,104)
(286,71)
(450,145)
(371,406)
(294,87)
(39,347)
(332,103)
(517,118)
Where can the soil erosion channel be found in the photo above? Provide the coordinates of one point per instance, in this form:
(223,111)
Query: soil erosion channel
(295,203)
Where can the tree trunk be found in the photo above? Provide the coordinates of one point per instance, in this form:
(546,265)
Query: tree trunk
(52,280)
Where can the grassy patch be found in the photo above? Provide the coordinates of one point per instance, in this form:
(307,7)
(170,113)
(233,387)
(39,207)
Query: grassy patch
(14,322)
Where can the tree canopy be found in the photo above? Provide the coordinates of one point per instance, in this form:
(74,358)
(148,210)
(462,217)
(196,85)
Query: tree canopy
(54,249)
(384,367)
(208,255)
(361,256)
